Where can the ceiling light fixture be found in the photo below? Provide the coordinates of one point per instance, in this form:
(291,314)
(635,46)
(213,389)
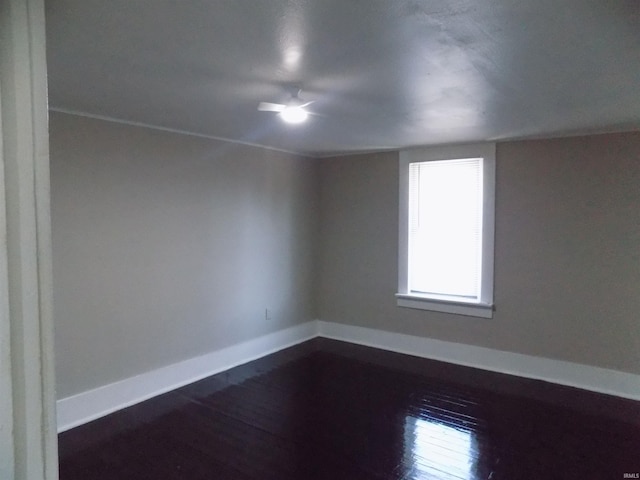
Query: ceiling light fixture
(294,114)
(293,111)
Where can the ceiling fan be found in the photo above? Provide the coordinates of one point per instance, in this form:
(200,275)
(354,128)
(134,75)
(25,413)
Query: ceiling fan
(294,111)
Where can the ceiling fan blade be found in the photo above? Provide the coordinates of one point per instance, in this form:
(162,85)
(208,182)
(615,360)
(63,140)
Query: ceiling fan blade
(307,103)
(271,107)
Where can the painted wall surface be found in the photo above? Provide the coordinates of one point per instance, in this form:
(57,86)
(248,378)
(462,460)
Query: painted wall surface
(167,246)
(567,259)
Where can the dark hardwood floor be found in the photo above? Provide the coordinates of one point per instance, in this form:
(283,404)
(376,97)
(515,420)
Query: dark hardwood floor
(330,410)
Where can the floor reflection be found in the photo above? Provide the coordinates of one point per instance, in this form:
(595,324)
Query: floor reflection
(434,450)
(324,416)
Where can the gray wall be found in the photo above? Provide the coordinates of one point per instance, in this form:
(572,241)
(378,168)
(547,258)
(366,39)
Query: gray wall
(168,246)
(567,260)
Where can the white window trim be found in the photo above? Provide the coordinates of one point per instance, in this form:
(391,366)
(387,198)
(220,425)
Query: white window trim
(485,307)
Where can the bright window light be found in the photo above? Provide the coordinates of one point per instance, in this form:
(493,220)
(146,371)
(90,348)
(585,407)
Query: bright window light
(446,229)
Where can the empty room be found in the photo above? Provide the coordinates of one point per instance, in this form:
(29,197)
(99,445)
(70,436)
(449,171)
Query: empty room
(332,239)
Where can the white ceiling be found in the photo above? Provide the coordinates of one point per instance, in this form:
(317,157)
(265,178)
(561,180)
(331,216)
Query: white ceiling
(383,73)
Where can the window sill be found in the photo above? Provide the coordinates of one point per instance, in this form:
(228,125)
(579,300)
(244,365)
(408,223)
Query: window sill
(446,306)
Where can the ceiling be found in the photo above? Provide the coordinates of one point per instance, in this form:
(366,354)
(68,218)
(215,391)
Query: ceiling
(383,74)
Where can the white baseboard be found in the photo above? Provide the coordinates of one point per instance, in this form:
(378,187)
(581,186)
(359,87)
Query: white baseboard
(601,380)
(86,406)
(90,405)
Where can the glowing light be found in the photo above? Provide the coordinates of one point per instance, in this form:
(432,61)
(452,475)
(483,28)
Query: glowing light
(292,58)
(294,114)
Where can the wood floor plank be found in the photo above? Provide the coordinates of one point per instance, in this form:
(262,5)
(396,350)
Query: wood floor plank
(329,411)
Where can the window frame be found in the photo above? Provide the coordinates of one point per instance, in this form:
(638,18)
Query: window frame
(483,307)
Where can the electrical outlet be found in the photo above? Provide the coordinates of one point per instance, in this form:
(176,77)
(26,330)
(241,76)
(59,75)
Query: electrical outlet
(267,314)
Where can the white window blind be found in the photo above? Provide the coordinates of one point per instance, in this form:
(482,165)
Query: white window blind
(445,228)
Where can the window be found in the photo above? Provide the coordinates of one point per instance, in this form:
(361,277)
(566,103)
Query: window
(446,229)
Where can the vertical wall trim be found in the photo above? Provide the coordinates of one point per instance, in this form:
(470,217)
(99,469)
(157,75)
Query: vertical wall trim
(7,464)
(27,419)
